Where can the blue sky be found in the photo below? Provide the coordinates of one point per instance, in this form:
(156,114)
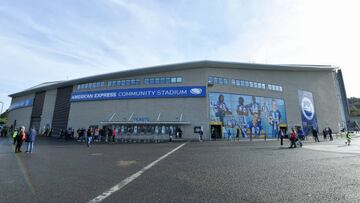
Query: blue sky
(45,40)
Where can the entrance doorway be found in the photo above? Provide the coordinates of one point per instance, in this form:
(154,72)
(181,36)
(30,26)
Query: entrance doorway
(216,132)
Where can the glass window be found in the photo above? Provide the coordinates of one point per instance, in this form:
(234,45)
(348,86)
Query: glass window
(109,83)
(179,79)
(242,83)
(133,82)
(226,81)
(269,86)
(263,86)
(238,83)
(221,81)
(78,87)
(211,80)
(86,85)
(255,85)
(168,80)
(162,80)
(173,80)
(123,83)
(127,82)
(146,81)
(280,88)
(118,83)
(98,84)
(233,82)
(277,88)
(246,83)
(102,84)
(137,81)
(251,84)
(216,80)
(152,81)
(157,80)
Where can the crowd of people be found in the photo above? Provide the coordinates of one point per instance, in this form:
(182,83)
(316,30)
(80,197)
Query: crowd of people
(297,136)
(20,135)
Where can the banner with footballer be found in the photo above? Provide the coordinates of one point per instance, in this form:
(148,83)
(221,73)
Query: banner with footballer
(245,114)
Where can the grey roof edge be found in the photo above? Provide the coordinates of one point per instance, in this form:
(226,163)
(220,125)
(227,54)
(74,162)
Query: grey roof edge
(177,66)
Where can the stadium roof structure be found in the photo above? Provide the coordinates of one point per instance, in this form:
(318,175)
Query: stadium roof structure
(172,67)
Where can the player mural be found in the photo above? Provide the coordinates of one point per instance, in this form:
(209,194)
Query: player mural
(246,114)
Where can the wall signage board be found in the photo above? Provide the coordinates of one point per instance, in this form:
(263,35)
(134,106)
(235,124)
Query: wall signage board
(22,104)
(308,115)
(140,93)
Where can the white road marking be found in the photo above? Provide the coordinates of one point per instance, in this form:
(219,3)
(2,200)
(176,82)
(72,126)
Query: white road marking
(131,178)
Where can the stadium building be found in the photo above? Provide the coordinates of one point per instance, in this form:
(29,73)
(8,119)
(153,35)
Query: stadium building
(221,98)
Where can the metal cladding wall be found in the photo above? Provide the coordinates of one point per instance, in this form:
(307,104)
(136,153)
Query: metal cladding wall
(344,100)
(62,108)
(192,109)
(59,111)
(37,110)
(48,109)
(21,116)
(320,83)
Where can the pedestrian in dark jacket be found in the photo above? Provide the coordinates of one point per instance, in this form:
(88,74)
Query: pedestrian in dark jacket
(31,140)
(315,134)
(282,136)
(20,137)
(330,134)
(27,140)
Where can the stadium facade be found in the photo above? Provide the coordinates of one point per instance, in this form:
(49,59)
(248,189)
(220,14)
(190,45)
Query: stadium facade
(221,98)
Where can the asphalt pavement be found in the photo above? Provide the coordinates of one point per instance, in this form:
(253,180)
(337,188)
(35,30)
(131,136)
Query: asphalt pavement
(212,171)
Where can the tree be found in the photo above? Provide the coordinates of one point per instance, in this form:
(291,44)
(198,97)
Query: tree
(4,117)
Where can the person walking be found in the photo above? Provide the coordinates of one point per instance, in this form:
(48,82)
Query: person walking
(14,134)
(114,135)
(293,138)
(324,133)
(20,137)
(89,137)
(201,135)
(315,135)
(27,140)
(96,134)
(108,135)
(348,138)
(33,135)
(330,134)
(281,136)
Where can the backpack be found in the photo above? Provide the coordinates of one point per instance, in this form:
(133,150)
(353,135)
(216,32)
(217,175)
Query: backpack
(293,136)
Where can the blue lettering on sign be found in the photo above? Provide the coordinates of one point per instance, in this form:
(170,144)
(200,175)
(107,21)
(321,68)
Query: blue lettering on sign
(140,93)
(21,104)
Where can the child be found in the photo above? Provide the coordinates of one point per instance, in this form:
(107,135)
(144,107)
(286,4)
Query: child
(348,138)
(293,138)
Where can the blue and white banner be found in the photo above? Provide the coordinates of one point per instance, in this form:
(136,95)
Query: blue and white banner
(140,93)
(308,115)
(21,104)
